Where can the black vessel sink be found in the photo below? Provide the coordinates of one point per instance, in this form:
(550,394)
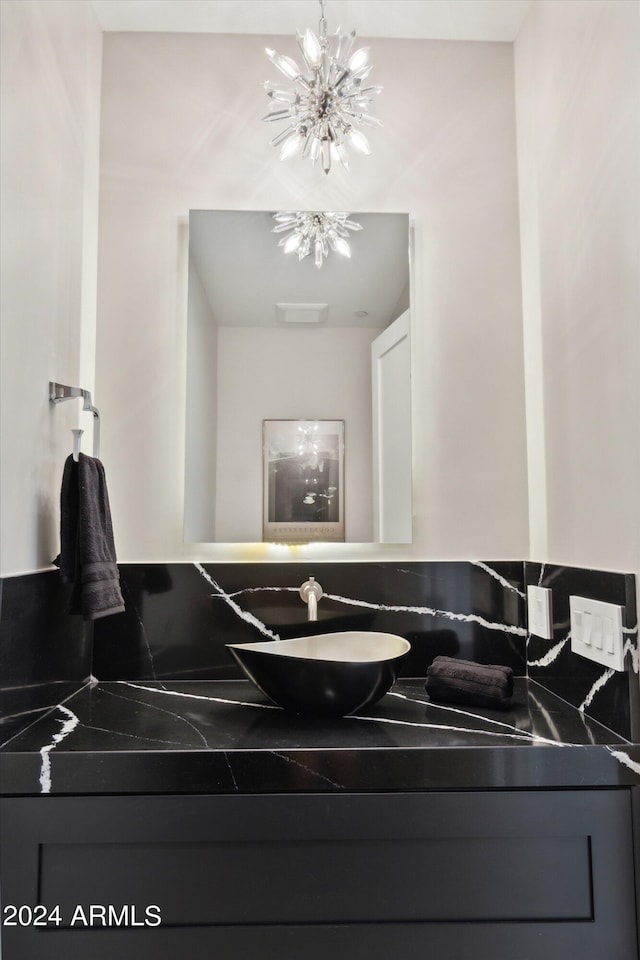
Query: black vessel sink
(329,674)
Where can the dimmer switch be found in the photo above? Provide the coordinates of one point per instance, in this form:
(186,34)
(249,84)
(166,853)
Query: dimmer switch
(540,619)
(596,631)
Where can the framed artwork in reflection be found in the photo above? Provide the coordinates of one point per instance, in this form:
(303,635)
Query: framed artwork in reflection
(303,481)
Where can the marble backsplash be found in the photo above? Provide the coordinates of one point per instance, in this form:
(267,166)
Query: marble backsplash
(179,617)
(45,653)
(609,696)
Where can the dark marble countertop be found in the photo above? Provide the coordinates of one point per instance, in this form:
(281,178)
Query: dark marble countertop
(223,736)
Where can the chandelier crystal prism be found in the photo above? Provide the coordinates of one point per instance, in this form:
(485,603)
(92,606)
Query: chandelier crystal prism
(316,232)
(327,99)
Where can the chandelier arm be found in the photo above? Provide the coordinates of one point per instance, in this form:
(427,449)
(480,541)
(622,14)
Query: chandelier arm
(323,24)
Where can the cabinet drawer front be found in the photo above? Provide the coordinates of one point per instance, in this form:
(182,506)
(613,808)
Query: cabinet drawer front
(324,880)
(555,865)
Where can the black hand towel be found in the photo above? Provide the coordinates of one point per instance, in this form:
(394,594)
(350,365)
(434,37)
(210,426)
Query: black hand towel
(475,684)
(87,549)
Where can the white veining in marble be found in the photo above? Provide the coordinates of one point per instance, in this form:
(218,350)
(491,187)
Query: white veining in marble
(496,576)
(32,711)
(431,612)
(45,767)
(132,736)
(410,573)
(199,696)
(154,706)
(631,647)
(36,713)
(550,655)
(451,709)
(548,718)
(243,614)
(349,601)
(598,685)
(443,726)
(230,769)
(315,773)
(263,589)
(525,734)
(625,759)
(407,723)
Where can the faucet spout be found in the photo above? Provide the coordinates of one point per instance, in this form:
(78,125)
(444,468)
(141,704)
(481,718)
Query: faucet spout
(313,607)
(310,592)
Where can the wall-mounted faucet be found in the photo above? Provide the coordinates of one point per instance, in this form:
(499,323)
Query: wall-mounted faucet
(310,591)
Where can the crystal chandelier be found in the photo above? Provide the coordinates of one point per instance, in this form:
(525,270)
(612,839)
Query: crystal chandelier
(324,106)
(314,232)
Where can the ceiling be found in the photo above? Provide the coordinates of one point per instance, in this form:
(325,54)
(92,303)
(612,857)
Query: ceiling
(485,20)
(244,272)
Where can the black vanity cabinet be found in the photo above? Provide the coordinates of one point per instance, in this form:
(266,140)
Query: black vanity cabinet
(533,875)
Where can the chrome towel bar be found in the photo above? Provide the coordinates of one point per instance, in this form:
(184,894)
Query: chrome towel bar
(59,392)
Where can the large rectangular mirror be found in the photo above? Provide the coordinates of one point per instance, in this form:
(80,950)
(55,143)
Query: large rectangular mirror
(273,336)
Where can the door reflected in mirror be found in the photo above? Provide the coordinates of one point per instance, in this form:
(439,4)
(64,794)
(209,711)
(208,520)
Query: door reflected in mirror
(271,336)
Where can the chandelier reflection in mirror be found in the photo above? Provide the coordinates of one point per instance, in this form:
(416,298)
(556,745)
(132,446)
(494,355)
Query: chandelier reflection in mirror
(314,232)
(325,106)
(307,444)
(309,459)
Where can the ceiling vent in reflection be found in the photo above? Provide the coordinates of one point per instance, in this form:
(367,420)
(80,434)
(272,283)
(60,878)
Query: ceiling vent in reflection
(302,313)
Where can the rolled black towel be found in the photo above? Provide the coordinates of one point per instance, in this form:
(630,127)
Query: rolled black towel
(475,684)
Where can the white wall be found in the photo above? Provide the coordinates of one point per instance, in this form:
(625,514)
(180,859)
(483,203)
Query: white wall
(51,64)
(578,107)
(181,130)
(284,374)
(201,414)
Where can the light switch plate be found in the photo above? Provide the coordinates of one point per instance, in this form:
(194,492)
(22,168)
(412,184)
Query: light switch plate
(540,618)
(596,631)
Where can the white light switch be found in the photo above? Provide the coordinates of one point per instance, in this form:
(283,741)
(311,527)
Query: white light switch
(596,631)
(540,618)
